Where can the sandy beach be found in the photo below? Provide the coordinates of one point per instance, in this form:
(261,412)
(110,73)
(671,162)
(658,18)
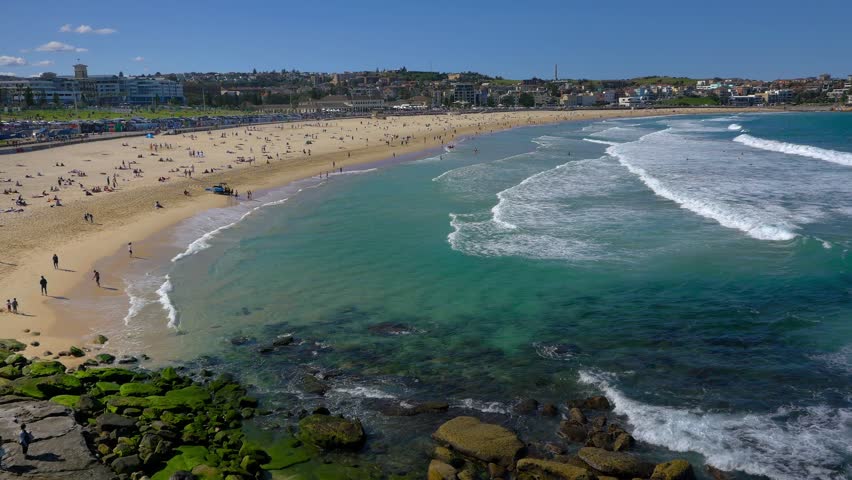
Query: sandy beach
(119,181)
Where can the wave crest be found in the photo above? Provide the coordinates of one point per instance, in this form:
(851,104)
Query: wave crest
(833,156)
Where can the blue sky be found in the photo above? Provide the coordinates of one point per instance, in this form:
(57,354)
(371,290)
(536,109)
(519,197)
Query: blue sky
(588,39)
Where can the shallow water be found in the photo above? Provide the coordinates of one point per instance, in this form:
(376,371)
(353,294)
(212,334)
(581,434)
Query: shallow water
(700,278)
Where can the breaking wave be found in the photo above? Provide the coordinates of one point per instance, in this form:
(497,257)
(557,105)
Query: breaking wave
(791,443)
(833,156)
(748,222)
(163,297)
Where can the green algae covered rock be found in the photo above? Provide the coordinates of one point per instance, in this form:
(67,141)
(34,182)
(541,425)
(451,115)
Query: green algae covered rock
(287,452)
(108,374)
(10,372)
(16,359)
(329,432)
(43,369)
(192,397)
(674,470)
(187,458)
(11,345)
(105,358)
(169,374)
(118,404)
(69,401)
(105,388)
(135,389)
(46,387)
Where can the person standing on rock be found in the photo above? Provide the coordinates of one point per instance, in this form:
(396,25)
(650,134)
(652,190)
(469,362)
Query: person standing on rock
(25,438)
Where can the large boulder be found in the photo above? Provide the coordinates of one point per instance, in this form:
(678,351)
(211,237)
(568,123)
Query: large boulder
(483,441)
(674,470)
(313,385)
(128,464)
(547,470)
(331,432)
(572,431)
(615,463)
(110,421)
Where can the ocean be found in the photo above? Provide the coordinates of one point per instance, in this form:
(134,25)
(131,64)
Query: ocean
(694,269)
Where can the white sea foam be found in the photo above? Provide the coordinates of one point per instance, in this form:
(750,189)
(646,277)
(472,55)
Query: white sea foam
(482,406)
(735,127)
(364,392)
(840,360)
(791,443)
(834,156)
(547,141)
(602,142)
(136,304)
(203,242)
(748,221)
(166,302)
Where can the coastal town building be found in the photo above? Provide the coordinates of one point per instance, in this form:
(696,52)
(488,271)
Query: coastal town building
(82,88)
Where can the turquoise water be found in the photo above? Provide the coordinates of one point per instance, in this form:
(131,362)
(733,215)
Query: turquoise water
(694,269)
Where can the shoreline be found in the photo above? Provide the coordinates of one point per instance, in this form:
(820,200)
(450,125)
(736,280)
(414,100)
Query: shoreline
(29,249)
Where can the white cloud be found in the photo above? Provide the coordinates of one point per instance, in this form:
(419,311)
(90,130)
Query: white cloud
(7,74)
(85,29)
(43,63)
(7,61)
(59,47)
(138,59)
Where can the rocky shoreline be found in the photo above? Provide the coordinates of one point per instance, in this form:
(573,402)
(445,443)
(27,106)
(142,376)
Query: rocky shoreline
(101,422)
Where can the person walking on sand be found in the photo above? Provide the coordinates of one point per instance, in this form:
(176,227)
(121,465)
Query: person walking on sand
(25,438)
(55,261)
(43,283)
(130,249)
(97,277)
(8,305)
(15,306)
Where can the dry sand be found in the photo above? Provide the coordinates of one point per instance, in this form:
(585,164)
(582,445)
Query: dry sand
(29,239)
